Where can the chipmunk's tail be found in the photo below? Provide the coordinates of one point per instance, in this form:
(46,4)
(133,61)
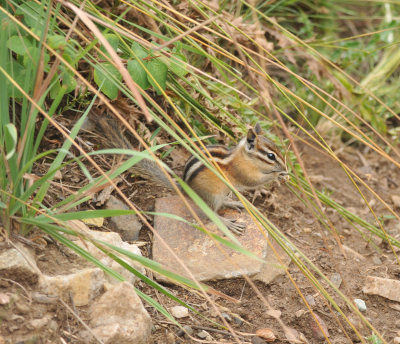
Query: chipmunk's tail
(112,134)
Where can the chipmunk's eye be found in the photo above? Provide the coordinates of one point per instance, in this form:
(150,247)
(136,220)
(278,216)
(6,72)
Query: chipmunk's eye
(271,156)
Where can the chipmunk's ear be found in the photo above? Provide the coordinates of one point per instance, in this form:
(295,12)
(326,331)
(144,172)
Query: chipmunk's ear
(251,136)
(258,129)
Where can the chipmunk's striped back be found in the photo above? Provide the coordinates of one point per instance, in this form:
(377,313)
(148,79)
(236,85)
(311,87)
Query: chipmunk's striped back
(194,166)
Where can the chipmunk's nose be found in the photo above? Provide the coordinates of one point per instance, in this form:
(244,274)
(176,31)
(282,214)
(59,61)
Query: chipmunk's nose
(284,176)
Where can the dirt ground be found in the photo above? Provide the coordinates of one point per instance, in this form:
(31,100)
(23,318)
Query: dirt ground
(249,313)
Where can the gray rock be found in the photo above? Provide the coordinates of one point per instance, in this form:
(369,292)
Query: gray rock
(206,259)
(362,307)
(179,312)
(336,279)
(37,324)
(273,266)
(182,331)
(83,286)
(384,287)
(115,240)
(42,298)
(19,265)
(119,317)
(238,321)
(203,334)
(257,340)
(310,299)
(376,260)
(226,316)
(126,225)
(22,307)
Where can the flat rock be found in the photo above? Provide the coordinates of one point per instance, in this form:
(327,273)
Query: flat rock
(273,266)
(205,258)
(113,239)
(19,265)
(83,286)
(120,317)
(126,225)
(384,287)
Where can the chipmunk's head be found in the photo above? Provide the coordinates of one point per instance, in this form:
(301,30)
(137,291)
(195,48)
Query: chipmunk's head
(266,154)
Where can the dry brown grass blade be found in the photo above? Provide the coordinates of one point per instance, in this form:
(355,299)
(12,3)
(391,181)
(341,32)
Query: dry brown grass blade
(186,33)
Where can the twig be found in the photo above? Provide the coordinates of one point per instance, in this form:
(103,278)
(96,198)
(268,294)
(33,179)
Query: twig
(77,317)
(183,34)
(210,329)
(21,286)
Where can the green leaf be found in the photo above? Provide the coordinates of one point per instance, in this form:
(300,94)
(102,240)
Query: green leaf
(138,51)
(104,75)
(158,71)
(68,81)
(11,139)
(31,12)
(3,205)
(18,73)
(19,44)
(32,58)
(8,25)
(138,74)
(57,41)
(55,88)
(176,66)
(113,40)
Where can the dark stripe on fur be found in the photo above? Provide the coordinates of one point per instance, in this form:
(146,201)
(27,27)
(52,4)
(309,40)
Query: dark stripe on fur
(213,150)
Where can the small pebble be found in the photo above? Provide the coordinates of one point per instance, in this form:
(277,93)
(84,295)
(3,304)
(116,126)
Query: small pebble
(12,328)
(237,321)
(362,307)
(347,232)
(316,327)
(37,324)
(376,260)
(203,334)
(53,325)
(22,307)
(299,313)
(336,279)
(179,312)
(186,329)
(4,299)
(396,340)
(257,340)
(17,318)
(170,338)
(226,316)
(310,299)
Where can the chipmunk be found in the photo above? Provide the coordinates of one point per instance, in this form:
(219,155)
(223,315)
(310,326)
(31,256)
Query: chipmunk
(254,161)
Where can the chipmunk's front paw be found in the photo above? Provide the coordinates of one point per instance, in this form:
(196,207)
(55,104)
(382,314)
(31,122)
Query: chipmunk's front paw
(237,205)
(233,226)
